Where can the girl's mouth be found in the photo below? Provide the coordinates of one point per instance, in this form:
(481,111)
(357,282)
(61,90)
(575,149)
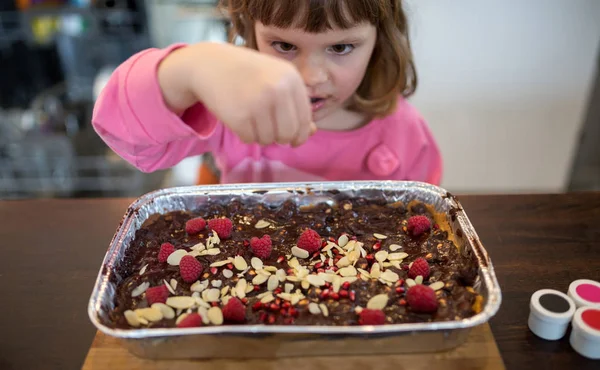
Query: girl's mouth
(317,103)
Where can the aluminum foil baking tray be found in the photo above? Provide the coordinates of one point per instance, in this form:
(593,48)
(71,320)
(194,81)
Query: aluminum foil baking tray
(264,341)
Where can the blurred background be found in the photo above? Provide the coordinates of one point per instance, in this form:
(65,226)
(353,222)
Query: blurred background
(511,90)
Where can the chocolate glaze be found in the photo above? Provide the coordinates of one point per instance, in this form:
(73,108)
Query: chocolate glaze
(358,217)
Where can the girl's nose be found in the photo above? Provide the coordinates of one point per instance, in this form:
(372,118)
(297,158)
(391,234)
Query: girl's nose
(313,72)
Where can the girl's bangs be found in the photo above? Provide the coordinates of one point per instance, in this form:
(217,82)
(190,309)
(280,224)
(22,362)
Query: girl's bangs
(315,16)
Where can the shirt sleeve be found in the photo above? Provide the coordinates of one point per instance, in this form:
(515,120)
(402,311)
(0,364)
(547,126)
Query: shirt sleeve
(131,116)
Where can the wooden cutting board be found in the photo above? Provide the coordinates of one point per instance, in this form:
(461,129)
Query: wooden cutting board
(479,352)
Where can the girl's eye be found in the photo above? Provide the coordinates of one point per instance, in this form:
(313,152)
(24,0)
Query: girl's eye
(341,49)
(283,47)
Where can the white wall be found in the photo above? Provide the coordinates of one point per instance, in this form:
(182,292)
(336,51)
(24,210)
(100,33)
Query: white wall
(504,86)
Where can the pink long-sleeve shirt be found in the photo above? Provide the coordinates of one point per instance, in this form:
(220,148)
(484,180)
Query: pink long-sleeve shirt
(133,119)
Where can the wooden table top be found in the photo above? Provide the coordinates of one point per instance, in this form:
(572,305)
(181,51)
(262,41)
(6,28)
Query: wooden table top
(52,251)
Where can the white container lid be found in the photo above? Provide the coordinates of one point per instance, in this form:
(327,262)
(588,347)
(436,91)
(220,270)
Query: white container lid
(552,306)
(586,328)
(585,293)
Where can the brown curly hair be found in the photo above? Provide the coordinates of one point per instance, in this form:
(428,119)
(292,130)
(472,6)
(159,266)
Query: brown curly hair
(391,70)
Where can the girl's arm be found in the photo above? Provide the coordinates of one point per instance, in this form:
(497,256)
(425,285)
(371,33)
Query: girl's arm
(150,114)
(132,117)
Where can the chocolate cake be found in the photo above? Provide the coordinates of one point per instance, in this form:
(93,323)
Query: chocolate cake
(359,262)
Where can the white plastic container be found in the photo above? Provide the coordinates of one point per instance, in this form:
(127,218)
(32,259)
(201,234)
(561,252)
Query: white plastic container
(550,313)
(585,293)
(585,336)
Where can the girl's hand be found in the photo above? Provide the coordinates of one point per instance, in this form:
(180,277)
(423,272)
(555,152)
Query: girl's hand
(261,98)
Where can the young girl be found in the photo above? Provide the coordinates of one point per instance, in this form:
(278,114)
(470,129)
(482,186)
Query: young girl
(318,93)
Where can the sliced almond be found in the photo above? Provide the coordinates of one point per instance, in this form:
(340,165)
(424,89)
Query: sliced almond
(261,224)
(363,272)
(395,247)
(181,302)
(203,312)
(149,313)
(240,288)
(375,271)
(249,288)
(315,280)
(180,318)
(210,252)
(314,308)
(202,303)
(343,262)
(175,257)
(219,263)
(215,315)
(257,263)
(140,289)
(199,286)
(397,256)
(216,283)
(293,279)
(272,283)
(227,274)
(259,279)
(132,318)
(343,240)
(288,287)
(324,309)
(389,275)
(381,256)
(270,269)
(327,277)
(387,264)
(167,312)
(268,298)
(437,285)
(198,247)
(337,282)
(143,269)
(380,236)
(169,288)
(419,279)
(240,263)
(396,264)
(410,283)
(305,284)
(348,271)
(225,299)
(213,295)
(358,310)
(299,252)
(173,284)
(281,275)
(264,272)
(378,302)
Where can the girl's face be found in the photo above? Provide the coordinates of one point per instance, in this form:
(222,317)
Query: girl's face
(332,63)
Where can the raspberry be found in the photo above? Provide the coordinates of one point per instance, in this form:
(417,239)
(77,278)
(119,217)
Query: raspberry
(190,269)
(192,320)
(234,310)
(421,298)
(417,225)
(195,225)
(371,317)
(158,294)
(165,251)
(222,226)
(310,241)
(419,267)
(261,247)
